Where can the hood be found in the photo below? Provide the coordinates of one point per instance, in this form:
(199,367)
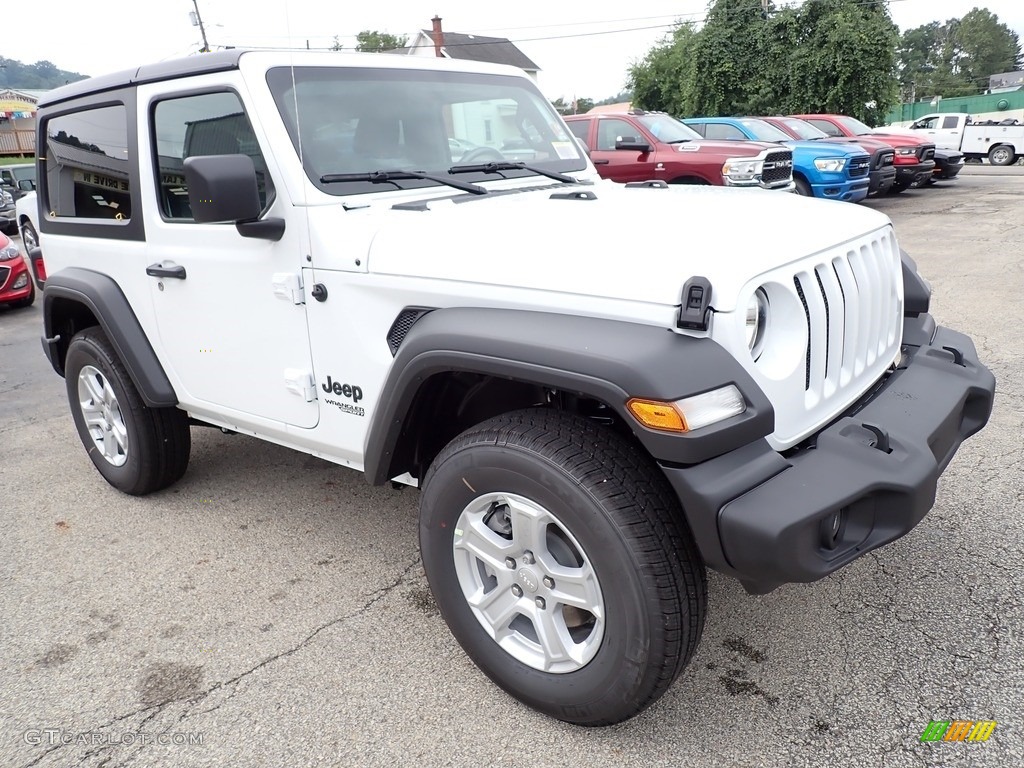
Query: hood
(633,244)
(733,148)
(905,136)
(815,149)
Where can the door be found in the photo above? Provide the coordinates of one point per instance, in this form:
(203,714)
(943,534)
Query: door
(621,164)
(230,311)
(948,132)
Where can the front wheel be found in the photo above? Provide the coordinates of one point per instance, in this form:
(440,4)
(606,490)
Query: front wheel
(558,556)
(1001,155)
(136,448)
(803,188)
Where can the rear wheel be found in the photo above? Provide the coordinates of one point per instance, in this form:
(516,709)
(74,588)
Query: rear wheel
(1001,155)
(136,448)
(559,558)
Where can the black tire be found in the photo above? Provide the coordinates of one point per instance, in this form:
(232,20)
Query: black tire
(1002,155)
(803,188)
(27,301)
(157,440)
(613,501)
(29,236)
(898,187)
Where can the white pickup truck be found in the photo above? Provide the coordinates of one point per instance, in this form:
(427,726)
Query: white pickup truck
(1002,142)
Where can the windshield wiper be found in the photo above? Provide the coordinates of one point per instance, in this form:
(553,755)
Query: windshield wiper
(678,141)
(390,177)
(505,166)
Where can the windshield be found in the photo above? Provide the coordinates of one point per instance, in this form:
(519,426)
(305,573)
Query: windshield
(351,121)
(803,129)
(763,131)
(854,126)
(667,129)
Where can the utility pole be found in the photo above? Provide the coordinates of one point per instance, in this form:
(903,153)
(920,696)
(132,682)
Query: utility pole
(202,29)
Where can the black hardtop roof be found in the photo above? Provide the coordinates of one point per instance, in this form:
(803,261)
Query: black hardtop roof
(217,61)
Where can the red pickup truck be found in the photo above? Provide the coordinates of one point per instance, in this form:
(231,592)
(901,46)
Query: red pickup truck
(644,146)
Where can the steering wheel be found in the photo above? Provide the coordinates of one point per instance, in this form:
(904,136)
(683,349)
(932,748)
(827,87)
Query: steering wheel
(481,155)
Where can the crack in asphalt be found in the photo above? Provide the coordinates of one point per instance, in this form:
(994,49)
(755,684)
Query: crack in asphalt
(154,710)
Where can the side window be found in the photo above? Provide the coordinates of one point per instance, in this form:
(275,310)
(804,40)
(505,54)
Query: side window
(927,125)
(611,130)
(191,126)
(699,128)
(721,131)
(950,122)
(580,129)
(87,164)
(826,127)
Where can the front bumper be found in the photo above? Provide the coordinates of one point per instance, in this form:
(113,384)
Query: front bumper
(767,518)
(882,180)
(850,190)
(947,166)
(912,173)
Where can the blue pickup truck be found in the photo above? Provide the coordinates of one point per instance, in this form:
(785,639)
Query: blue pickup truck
(830,171)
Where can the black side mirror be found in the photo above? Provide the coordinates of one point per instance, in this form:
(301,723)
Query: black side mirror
(632,143)
(26,185)
(222,188)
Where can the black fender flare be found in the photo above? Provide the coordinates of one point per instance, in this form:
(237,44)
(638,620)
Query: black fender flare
(608,360)
(108,304)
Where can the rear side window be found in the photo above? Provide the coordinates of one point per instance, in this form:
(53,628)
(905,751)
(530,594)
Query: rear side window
(580,129)
(722,131)
(826,126)
(950,122)
(87,164)
(202,124)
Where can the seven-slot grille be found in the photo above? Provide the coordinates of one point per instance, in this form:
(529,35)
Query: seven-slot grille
(778,168)
(859,166)
(5,272)
(852,307)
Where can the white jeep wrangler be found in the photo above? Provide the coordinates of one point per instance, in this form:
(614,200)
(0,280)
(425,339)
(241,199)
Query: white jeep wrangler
(594,406)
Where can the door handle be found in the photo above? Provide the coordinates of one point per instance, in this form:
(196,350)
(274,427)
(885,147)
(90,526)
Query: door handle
(600,162)
(159,270)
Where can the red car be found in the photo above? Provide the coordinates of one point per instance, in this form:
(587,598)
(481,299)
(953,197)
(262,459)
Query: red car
(639,146)
(915,158)
(16,288)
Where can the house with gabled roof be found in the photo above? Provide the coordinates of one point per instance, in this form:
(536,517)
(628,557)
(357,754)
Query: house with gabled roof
(458,45)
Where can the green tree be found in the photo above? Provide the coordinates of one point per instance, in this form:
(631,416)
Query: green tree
(984,46)
(664,79)
(845,60)
(375,42)
(727,70)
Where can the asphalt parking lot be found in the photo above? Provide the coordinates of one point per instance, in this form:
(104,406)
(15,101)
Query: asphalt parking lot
(271,610)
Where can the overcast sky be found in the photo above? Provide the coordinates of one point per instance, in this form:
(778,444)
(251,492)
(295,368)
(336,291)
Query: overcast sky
(587,53)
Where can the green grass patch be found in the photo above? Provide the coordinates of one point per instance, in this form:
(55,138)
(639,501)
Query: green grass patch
(15,160)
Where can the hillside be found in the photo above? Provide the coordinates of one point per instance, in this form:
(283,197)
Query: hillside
(42,75)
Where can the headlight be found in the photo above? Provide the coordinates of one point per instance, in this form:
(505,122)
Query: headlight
(741,168)
(905,151)
(830,164)
(8,253)
(757,319)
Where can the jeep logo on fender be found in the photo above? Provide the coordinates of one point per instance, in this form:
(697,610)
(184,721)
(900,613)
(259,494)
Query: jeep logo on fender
(344,390)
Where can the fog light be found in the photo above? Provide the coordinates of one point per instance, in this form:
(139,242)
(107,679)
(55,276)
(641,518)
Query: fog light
(20,282)
(832,529)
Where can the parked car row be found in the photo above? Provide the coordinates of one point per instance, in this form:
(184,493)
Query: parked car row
(826,156)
